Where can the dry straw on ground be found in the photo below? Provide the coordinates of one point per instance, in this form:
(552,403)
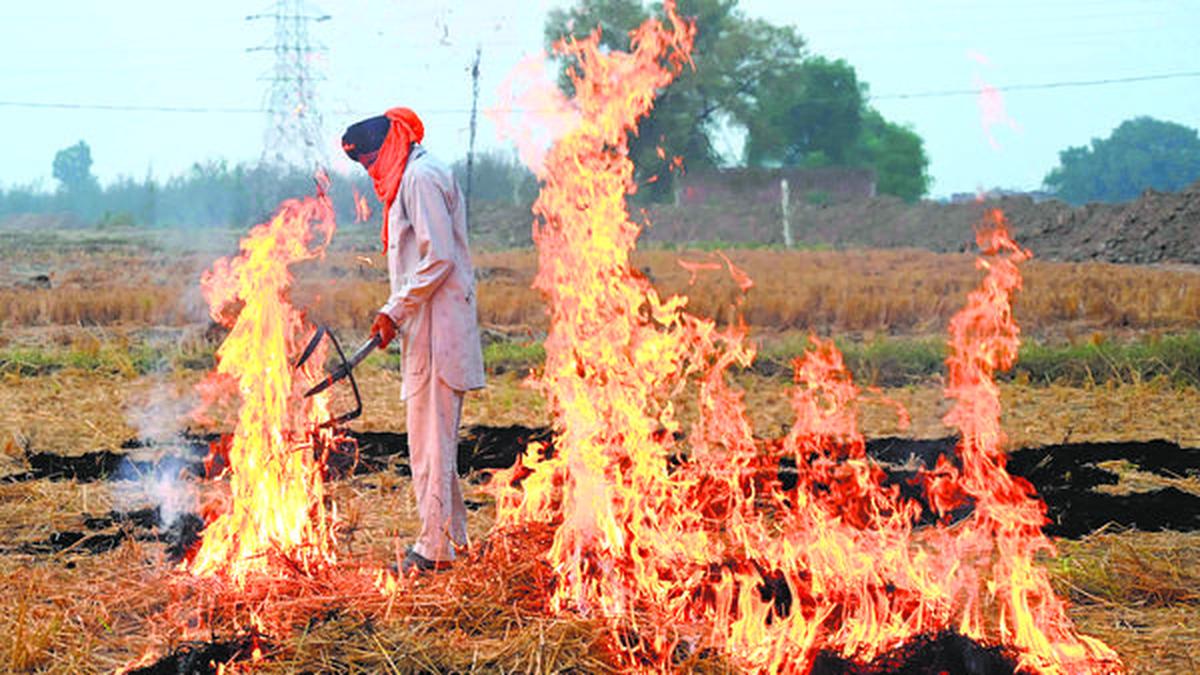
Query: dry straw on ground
(71,612)
(105,410)
(76,613)
(891,291)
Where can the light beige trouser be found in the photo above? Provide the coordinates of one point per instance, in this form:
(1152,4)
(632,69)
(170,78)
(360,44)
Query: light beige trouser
(433,415)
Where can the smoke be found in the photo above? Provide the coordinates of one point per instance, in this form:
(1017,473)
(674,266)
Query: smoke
(165,489)
(532,111)
(158,415)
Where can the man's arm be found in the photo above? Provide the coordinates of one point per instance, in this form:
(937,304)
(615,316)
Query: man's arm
(434,228)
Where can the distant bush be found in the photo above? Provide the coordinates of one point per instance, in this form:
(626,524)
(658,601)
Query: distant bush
(209,194)
(817,197)
(1141,153)
(498,177)
(118,219)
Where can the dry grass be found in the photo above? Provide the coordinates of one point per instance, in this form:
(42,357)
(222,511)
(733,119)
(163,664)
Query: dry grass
(77,613)
(74,613)
(893,291)
(1133,569)
(1151,641)
(1137,591)
(69,412)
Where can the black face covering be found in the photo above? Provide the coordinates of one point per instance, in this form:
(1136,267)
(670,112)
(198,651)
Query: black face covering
(362,140)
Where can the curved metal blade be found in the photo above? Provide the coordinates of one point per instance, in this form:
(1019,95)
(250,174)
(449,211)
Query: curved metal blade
(311,346)
(344,369)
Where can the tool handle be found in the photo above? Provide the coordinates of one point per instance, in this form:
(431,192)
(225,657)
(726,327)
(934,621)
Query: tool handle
(363,350)
(346,366)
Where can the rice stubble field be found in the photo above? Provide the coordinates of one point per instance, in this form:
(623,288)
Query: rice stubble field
(103,339)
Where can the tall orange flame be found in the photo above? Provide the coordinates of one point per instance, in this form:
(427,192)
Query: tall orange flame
(277,508)
(1007,515)
(685,538)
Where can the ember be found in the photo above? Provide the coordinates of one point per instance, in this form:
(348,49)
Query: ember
(202,657)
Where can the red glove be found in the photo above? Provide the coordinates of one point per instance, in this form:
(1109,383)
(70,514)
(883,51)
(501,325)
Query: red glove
(385,328)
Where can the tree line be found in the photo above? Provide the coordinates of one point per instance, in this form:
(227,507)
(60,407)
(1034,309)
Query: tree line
(216,193)
(794,109)
(210,193)
(1140,153)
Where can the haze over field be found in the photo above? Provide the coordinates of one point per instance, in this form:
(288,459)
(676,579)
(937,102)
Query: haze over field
(924,62)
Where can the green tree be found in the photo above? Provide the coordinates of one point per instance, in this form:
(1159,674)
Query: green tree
(1140,153)
(804,114)
(79,191)
(816,114)
(731,54)
(896,153)
(498,177)
(797,110)
(73,168)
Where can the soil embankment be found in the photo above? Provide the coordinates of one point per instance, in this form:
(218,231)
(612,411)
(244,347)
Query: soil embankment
(1155,228)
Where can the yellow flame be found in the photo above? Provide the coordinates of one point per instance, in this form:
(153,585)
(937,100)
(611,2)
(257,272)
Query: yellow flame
(698,542)
(277,509)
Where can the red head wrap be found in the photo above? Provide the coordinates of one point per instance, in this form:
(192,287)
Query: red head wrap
(388,168)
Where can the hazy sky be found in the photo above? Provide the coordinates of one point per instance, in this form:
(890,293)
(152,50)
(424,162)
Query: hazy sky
(157,54)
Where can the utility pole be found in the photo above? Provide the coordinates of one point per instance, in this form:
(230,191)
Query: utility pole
(471,143)
(294,135)
(784,207)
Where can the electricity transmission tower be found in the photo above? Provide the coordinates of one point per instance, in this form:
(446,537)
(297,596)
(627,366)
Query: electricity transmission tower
(294,135)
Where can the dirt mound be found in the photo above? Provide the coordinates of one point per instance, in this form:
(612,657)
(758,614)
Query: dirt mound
(1155,228)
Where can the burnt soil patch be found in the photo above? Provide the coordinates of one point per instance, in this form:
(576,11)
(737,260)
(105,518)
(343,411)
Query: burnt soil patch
(106,532)
(201,658)
(944,652)
(479,448)
(1065,476)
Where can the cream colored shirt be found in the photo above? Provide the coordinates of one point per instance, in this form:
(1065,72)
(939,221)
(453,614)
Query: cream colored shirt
(432,279)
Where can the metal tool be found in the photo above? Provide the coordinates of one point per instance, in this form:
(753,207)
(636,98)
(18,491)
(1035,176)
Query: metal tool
(346,366)
(311,346)
(344,370)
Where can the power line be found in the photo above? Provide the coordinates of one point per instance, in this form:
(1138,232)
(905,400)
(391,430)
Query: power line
(1042,85)
(294,125)
(119,107)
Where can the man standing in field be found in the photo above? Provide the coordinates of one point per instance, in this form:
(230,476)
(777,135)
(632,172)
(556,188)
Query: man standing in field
(432,307)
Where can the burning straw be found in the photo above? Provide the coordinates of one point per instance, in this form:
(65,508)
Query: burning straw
(637,542)
(701,555)
(276,514)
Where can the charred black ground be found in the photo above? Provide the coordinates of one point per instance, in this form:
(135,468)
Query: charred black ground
(1065,477)
(201,658)
(945,652)
(105,533)
(479,448)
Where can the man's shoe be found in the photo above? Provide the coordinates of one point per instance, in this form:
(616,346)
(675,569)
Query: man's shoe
(416,563)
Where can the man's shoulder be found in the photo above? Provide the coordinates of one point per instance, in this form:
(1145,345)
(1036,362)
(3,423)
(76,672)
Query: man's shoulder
(426,162)
(426,167)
